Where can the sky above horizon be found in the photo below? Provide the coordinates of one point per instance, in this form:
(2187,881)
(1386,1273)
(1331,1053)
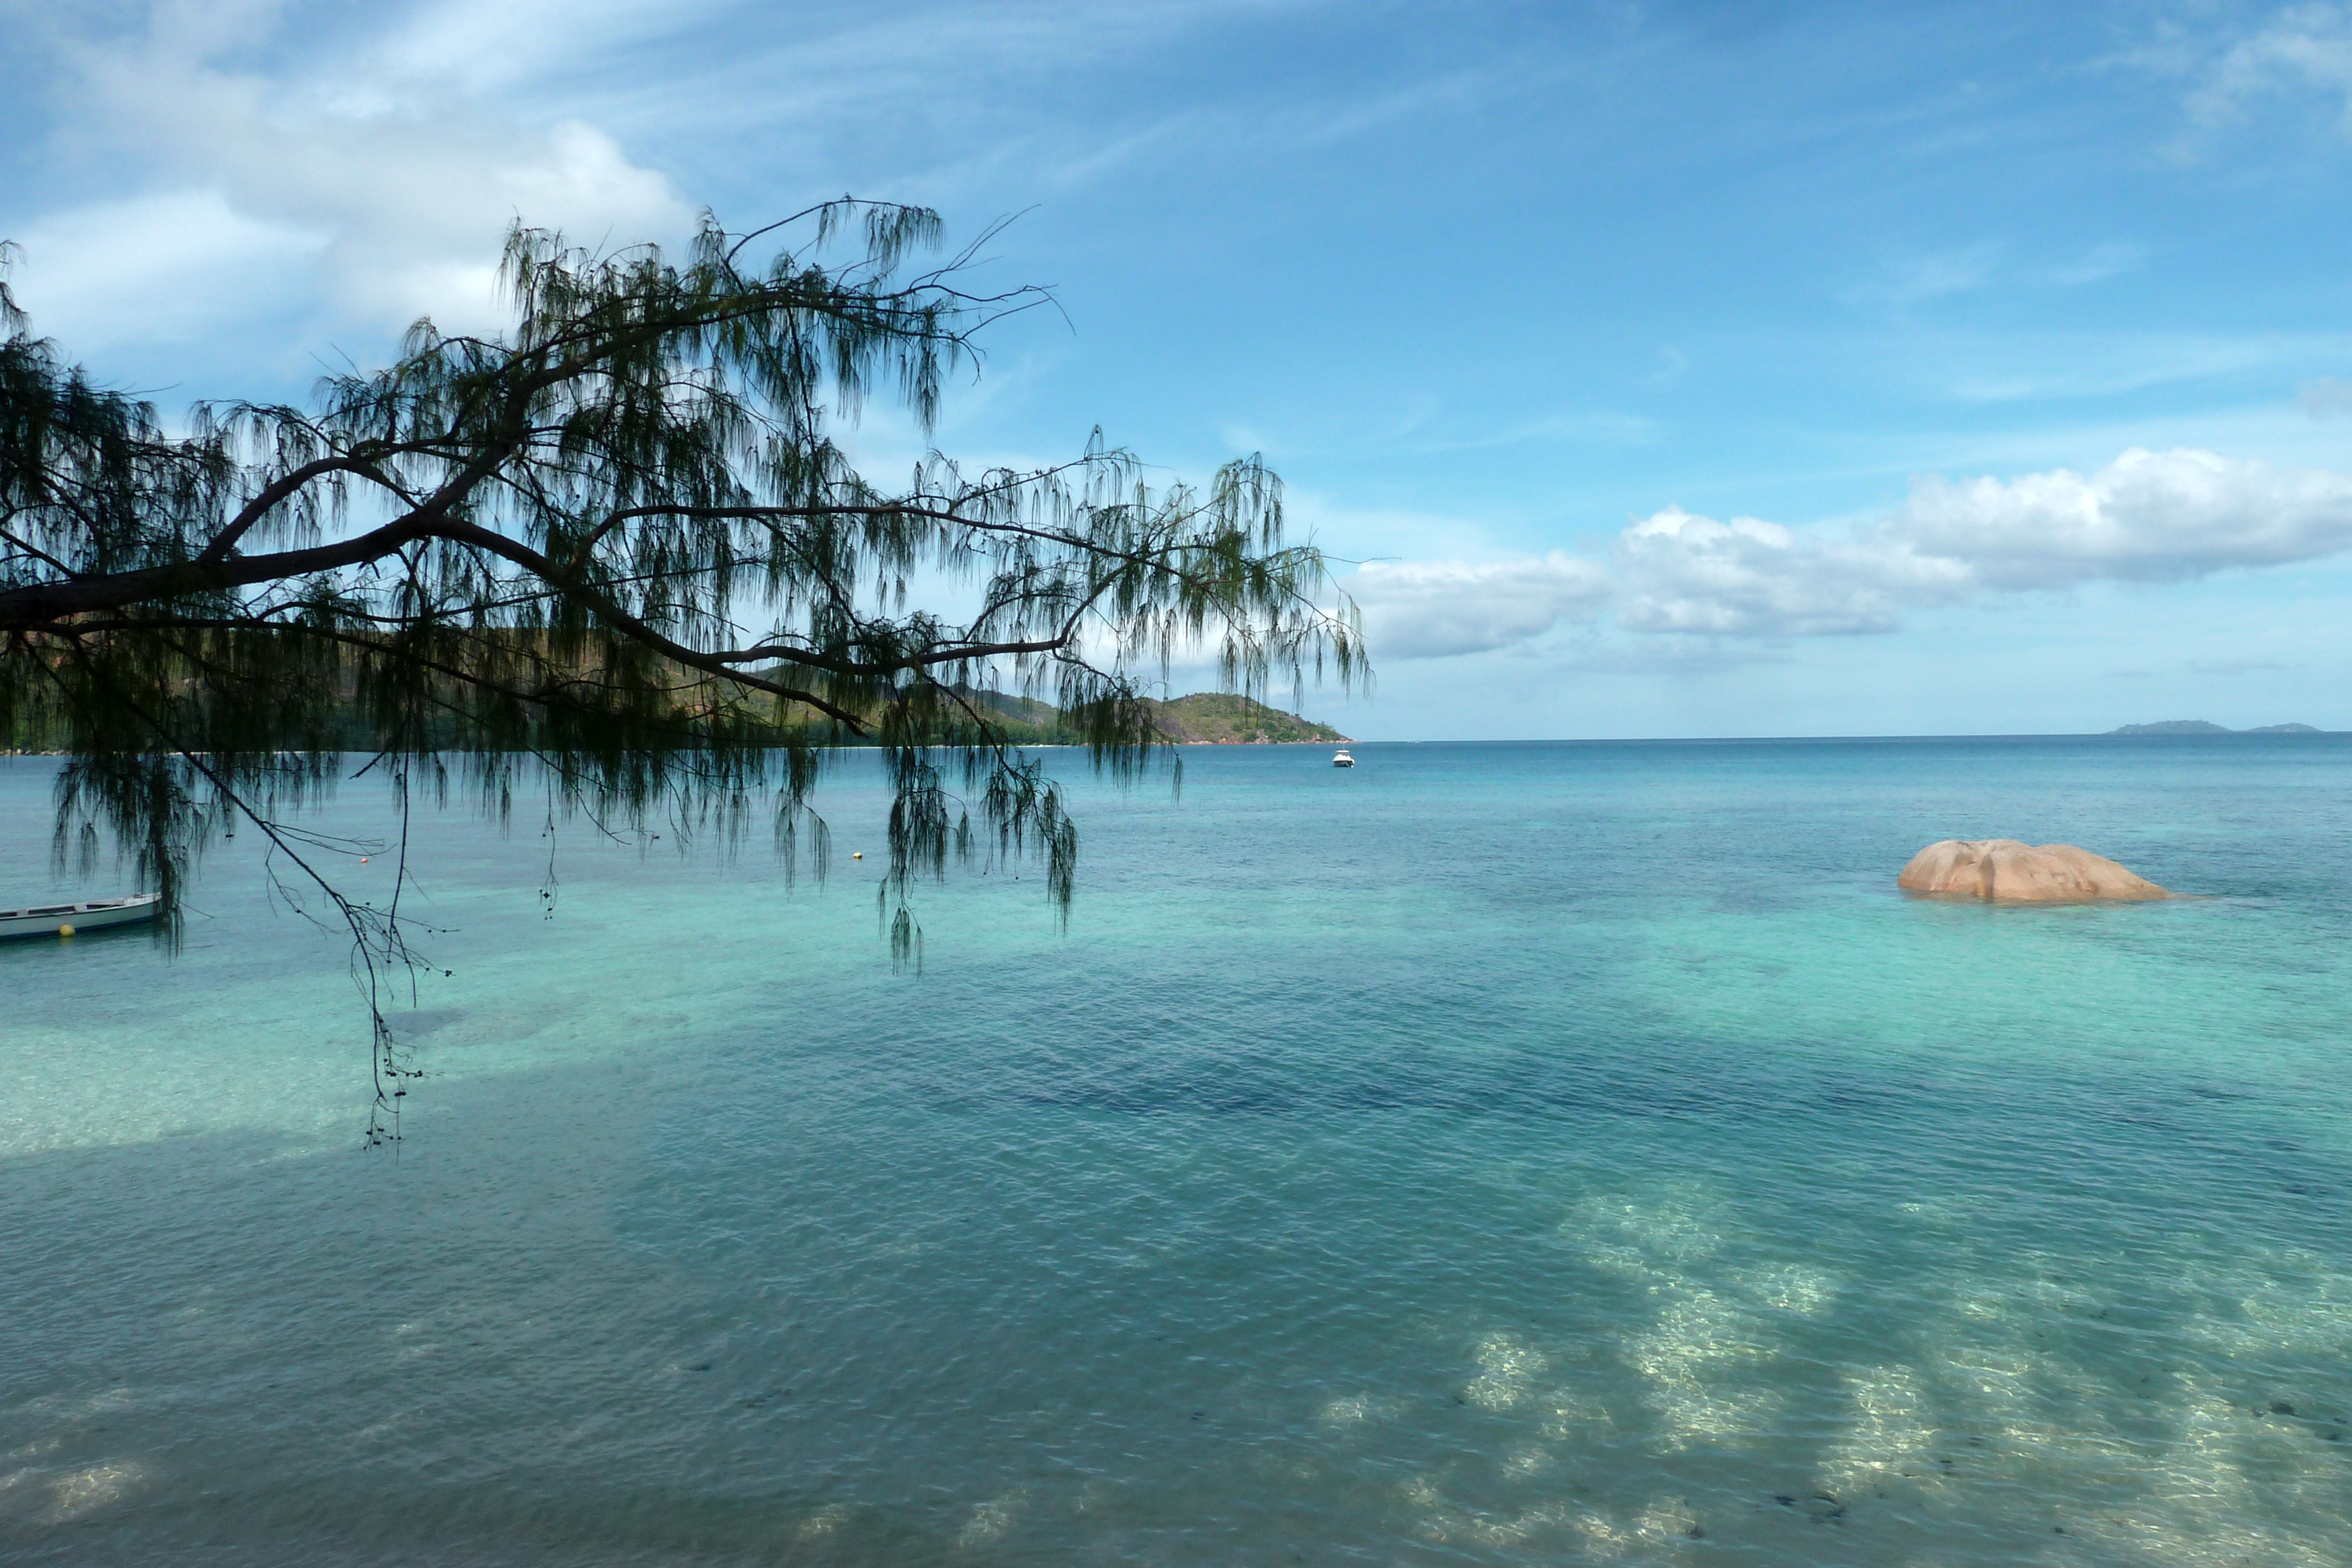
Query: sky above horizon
(1655,370)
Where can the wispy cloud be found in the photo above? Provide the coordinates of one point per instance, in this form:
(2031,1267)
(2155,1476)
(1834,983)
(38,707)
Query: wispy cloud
(1905,285)
(2072,366)
(1568,427)
(2329,397)
(2301,50)
(2296,55)
(2096,265)
(1921,279)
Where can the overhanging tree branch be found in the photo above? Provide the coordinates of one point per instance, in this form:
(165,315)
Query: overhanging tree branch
(619,538)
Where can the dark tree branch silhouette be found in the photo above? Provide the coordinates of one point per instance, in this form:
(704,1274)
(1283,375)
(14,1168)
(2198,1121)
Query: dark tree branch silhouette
(549,547)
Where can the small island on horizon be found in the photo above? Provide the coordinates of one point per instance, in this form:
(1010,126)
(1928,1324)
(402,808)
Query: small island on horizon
(2204,727)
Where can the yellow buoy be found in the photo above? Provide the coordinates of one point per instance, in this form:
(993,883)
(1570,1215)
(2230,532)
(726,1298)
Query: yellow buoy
(858,855)
(65,930)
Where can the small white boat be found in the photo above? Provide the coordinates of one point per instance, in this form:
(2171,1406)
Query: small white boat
(1341,759)
(62,919)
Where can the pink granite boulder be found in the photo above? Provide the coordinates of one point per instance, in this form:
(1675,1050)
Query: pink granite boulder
(2009,872)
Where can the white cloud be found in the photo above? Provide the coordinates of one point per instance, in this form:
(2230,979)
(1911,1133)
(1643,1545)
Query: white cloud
(2146,517)
(171,268)
(410,134)
(343,187)
(1429,610)
(1748,577)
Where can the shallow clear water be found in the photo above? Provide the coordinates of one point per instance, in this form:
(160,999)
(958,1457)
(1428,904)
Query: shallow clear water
(1491,1154)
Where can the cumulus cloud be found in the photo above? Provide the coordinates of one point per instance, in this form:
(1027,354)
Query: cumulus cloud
(2147,518)
(1749,578)
(344,184)
(1427,609)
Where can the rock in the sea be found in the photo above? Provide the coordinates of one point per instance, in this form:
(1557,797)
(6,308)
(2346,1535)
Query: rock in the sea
(2027,874)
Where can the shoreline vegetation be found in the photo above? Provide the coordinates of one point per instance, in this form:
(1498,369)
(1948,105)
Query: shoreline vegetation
(1203,718)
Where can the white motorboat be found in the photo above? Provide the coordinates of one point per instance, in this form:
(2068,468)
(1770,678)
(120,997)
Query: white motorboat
(1341,759)
(64,919)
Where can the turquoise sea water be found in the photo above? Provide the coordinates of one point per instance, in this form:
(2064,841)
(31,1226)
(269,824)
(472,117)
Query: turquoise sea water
(1493,1155)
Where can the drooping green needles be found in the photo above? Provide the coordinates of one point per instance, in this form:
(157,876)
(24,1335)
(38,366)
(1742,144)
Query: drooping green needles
(620,540)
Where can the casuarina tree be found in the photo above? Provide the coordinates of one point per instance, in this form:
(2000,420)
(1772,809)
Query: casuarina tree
(614,553)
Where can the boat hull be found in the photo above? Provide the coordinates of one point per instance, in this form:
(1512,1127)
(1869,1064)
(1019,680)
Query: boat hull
(46,920)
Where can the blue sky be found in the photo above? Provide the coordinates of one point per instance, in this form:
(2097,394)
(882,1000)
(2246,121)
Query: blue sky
(1677,369)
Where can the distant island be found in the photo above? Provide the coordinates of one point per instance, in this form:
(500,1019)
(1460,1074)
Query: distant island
(1204,719)
(2199,727)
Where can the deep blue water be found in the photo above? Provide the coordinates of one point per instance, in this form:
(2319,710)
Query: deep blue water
(1502,1153)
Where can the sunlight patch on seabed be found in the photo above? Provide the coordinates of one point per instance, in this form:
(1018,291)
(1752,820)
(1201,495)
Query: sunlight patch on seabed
(82,1491)
(2300,1301)
(2212,1464)
(1799,1288)
(50,1496)
(1510,1369)
(1356,1409)
(1660,1524)
(95,1092)
(1695,1353)
(1442,1521)
(2186,1471)
(824,1521)
(54,1497)
(993,1520)
(1528,1461)
(1887,1435)
(300,1079)
(274,1039)
(1692,1357)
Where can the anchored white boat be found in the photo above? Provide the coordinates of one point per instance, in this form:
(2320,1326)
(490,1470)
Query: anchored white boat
(1341,759)
(62,919)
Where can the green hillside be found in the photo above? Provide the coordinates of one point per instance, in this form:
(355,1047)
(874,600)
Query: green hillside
(1222,718)
(1204,719)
